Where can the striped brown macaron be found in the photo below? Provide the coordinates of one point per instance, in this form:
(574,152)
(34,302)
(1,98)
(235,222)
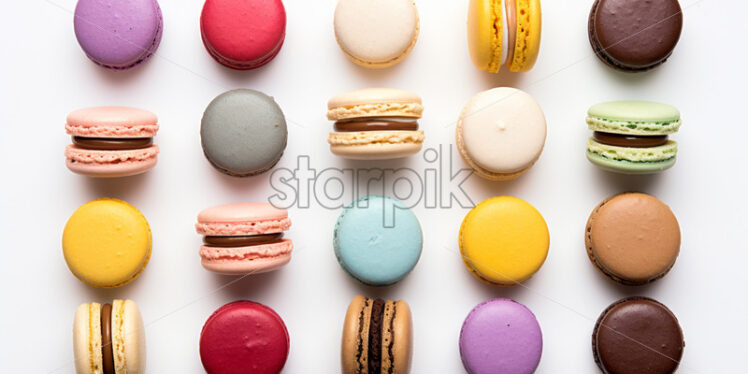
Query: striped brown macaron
(377,337)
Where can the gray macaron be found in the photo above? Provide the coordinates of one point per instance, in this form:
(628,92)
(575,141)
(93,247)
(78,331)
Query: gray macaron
(243,133)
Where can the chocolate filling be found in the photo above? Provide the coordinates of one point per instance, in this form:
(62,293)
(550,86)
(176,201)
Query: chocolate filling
(241,241)
(107,351)
(112,144)
(511,23)
(377,124)
(631,141)
(375,337)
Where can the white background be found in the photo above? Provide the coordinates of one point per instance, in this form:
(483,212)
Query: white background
(44,75)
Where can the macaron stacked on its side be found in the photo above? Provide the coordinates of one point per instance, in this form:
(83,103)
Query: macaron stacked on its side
(504,241)
(507,34)
(118,35)
(244,238)
(633,238)
(635,35)
(377,337)
(243,133)
(107,243)
(637,335)
(111,141)
(243,34)
(501,336)
(631,137)
(375,124)
(244,337)
(109,339)
(501,133)
(376,34)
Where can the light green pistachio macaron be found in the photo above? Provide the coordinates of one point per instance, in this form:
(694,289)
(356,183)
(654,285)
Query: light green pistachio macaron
(631,137)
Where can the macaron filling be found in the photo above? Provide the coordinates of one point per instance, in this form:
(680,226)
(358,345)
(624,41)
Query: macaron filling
(377,124)
(241,241)
(107,350)
(511,22)
(375,336)
(112,144)
(630,141)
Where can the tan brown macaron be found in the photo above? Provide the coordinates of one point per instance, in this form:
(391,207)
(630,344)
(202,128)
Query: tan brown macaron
(377,337)
(633,238)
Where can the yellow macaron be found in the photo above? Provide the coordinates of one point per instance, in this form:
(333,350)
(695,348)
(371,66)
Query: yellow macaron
(504,241)
(504,32)
(107,243)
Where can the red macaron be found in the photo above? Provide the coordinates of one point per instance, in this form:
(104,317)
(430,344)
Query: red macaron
(243,34)
(244,337)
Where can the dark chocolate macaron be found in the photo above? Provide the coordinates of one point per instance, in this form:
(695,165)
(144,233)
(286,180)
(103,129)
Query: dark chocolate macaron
(633,238)
(637,335)
(635,35)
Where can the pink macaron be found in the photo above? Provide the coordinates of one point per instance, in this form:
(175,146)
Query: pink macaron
(243,34)
(110,142)
(244,238)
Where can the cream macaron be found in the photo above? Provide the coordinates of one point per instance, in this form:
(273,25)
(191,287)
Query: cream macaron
(501,133)
(376,34)
(375,124)
(109,339)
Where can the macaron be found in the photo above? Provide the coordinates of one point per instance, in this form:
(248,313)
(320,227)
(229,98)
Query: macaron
(637,335)
(109,338)
(504,241)
(244,238)
(111,141)
(243,133)
(507,34)
(376,34)
(244,337)
(377,337)
(501,336)
(375,124)
(243,34)
(107,243)
(501,133)
(633,238)
(634,35)
(118,35)
(377,240)
(631,137)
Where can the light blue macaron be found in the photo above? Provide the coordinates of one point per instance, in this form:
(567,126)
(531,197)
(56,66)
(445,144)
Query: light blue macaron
(378,240)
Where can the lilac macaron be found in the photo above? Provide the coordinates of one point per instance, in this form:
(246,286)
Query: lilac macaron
(118,34)
(501,336)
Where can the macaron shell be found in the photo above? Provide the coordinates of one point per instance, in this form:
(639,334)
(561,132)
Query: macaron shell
(243,34)
(376,151)
(504,240)
(355,334)
(633,238)
(529,28)
(128,337)
(501,132)
(374,102)
(373,249)
(376,34)
(110,164)
(112,122)
(632,154)
(628,167)
(501,336)
(118,34)
(239,219)
(485,24)
(87,339)
(402,333)
(243,133)
(247,260)
(244,337)
(107,243)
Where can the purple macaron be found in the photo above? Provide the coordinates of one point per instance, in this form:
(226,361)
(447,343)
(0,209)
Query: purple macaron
(118,34)
(501,336)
